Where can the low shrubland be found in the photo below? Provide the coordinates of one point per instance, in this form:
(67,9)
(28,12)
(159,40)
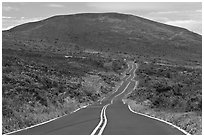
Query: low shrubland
(39,86)
(170,88)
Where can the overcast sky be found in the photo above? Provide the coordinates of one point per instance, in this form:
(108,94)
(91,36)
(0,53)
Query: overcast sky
(186,15)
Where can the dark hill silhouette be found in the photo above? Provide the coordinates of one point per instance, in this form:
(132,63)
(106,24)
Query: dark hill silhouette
(111,32)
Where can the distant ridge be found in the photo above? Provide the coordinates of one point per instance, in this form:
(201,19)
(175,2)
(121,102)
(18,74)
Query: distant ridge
(112,32)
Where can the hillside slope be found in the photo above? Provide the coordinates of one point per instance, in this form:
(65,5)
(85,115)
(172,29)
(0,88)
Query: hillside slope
(109,32)
(37,87)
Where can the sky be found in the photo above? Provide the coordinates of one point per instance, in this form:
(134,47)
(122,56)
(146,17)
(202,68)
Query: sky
(183,14)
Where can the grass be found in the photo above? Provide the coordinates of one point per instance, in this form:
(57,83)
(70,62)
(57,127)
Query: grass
(38,114)
(170,92)
(172,87)
(191,122)
(107,32)
(37,87)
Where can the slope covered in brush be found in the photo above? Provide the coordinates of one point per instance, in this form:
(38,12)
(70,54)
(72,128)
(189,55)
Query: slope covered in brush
(108,32)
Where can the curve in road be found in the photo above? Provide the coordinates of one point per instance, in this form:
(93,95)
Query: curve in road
(109,116)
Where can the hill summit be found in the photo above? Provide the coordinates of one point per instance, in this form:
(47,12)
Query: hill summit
(114,32)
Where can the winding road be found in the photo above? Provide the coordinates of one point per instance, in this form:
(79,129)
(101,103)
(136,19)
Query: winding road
(109,116)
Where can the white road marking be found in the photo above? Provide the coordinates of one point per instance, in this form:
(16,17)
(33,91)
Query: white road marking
(123,101)
(105,122)
(103,111)
(68,56)
(74,111)
(160,120)
(120,93)
(127,77)
(129,72)
(128,66)
(103,114)
(123,76)
(134,74)
(102,100)
(125,71)
(101,120)
(136,83)
(131,68)
(118,87)
(44,122)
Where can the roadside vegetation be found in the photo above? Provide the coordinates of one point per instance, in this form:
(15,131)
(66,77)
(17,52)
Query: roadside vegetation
(38,86)
(171,92)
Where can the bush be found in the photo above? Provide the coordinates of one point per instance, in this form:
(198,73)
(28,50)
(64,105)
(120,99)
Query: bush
(169,87)
(35,85)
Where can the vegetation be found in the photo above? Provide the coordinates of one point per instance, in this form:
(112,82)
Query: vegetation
(173,89)
(112,32)
(38,86)
(40,83)
(170,87)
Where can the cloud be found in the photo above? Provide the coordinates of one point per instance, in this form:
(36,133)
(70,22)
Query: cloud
(144,6)
(175,15)
(192,25)
(200,11)
(8,23)
(9,8)
(7,17)
(120,6)
(189,19)
(183,14)
(110,6)
(55,5)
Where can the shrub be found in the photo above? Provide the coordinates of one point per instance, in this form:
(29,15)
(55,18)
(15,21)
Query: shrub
(173,87)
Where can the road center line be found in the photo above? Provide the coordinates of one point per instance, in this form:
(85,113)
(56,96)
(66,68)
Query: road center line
(105,122)
(103,111)
(125,72)
(130,72)
(128,77)
(102,100)
(134,73)
(103,115)
(120,93)
(136,83)
(131,68)
(101,120)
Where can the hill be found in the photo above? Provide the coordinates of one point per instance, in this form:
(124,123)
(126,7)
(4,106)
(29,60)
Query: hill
(54,66)
(112,32)
(37,86)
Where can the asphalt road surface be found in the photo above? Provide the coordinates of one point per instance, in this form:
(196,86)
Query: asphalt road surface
(107,117)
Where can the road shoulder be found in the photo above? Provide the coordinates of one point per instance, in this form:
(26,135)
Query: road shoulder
(188,123)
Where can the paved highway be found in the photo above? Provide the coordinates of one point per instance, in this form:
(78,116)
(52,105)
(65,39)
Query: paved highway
(107,117)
